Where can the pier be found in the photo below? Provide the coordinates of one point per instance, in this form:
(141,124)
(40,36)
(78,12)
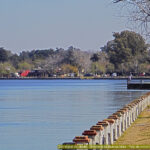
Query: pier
(107,131)
(138,84)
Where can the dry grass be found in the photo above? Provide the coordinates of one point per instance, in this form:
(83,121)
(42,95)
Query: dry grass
(139,132)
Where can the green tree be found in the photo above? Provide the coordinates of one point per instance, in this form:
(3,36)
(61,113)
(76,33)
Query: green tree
(3,55)
(6,69)
(97,68)
(110,68)
(70,57)
(24,66)
(126,47)
(15,59)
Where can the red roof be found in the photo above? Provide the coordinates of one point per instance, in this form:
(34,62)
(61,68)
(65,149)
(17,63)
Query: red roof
(25,73)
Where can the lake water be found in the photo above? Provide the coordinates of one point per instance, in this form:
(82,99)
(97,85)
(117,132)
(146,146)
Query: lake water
(39,114)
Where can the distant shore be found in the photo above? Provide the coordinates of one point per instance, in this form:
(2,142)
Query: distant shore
(75,78)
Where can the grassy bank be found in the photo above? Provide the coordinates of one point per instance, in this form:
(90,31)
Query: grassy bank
(139,132)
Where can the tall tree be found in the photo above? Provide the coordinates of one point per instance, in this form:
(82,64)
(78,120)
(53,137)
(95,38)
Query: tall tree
(15,59)
(70,56)
(3,55)
(126,47)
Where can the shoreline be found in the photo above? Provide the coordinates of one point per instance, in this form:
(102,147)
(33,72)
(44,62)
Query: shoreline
(76,78)
(111,129)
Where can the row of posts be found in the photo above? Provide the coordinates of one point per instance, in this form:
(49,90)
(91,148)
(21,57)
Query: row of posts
(109,130)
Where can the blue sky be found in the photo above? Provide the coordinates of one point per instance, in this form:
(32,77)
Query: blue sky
(42,24)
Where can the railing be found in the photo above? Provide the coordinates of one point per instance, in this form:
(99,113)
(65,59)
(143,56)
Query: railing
(139,81)
(106,132)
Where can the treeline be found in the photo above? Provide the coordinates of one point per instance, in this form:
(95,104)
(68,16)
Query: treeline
(127,53)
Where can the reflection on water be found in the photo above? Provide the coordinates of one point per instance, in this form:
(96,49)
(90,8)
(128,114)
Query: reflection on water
(39,114)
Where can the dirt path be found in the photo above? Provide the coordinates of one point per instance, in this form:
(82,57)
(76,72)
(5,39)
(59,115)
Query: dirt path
(139,132)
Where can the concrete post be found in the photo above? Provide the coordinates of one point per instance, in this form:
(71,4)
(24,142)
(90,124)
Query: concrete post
(134,110)
(125,113)
(105,124)
(119,125)
(137,108)
(142,106)
(84,140)
(115,130)
(123,119)
(131,113)
(128,115)
(108,130)
(91,135)
(111,134)
(100,133)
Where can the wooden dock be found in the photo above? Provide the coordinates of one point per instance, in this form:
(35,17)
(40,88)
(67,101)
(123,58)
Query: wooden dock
(138,84)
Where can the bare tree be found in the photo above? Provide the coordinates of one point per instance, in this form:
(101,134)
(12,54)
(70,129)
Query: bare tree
(139,13)
(83,59)
(53,61)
